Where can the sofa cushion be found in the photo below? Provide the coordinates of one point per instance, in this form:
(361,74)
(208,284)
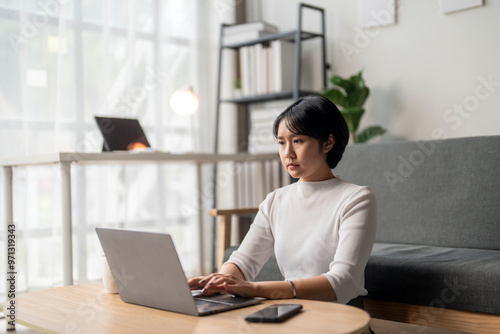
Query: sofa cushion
(454,278)
(438,193)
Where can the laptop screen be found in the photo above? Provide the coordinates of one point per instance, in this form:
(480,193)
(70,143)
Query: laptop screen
(121,134)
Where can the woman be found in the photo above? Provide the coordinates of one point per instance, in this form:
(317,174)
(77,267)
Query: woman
(321,228)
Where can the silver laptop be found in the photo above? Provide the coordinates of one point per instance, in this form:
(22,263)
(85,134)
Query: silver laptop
(147,271)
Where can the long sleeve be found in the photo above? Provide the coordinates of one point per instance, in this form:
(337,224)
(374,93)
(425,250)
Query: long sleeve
(258,244)
(356,237)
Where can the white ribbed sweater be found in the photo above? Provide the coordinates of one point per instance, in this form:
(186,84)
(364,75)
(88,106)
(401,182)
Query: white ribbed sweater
(315,228)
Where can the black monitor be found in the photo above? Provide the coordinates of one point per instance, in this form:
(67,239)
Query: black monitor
(121,134)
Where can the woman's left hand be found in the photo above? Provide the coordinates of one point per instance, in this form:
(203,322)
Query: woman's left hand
(215,283)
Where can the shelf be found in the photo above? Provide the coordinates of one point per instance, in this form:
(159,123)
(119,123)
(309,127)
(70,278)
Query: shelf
(268,97)
(286,36)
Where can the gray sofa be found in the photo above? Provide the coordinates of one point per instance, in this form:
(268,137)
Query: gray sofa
(438,234)
(437,246)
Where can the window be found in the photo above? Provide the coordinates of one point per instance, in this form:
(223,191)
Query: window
(64,61)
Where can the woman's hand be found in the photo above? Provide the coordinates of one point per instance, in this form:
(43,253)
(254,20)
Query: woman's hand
(228,283)
(197,283)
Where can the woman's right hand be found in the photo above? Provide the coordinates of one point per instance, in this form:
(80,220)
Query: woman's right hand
(228,269)
(197,283)
(226,283)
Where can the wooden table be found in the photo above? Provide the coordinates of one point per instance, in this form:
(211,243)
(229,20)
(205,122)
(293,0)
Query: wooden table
(89,309)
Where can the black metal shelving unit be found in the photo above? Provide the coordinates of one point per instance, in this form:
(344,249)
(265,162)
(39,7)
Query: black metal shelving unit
(296,36)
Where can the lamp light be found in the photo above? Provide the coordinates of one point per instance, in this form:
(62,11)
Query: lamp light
(184,102)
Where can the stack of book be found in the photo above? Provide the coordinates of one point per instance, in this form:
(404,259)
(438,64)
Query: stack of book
(267,69)
(261,138)
(242,33)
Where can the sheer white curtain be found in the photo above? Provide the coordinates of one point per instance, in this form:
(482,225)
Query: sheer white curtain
(64,61)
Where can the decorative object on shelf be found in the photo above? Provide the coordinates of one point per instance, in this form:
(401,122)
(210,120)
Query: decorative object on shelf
(350,95)
(184,101)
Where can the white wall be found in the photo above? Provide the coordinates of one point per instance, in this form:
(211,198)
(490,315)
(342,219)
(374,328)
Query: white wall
(418,69)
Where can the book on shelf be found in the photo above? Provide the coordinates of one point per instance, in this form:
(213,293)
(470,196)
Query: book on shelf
(253,70)
(250,26)
(267,69)
(246,32)
(248,193)
(245,75)
(262,69)
(243,37)
(282,69)
(261,138)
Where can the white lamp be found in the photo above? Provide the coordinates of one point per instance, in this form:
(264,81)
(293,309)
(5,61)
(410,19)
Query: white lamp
(184,102)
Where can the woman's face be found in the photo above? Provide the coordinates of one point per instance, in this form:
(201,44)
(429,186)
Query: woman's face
(302,155)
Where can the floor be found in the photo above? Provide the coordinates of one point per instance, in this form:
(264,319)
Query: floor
(377,325)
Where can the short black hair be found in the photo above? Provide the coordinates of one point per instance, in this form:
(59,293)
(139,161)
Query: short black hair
(318,117)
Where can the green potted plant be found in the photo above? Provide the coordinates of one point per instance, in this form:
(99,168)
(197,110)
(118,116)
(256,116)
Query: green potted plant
(350,95)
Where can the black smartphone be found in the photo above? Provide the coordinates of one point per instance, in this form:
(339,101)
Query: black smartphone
(275,313)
